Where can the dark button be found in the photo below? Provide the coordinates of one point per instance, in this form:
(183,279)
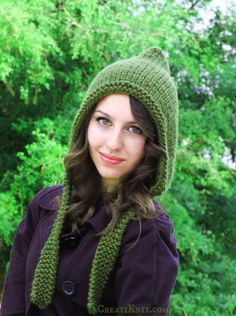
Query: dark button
(73,239)
(69,288)
(70,241)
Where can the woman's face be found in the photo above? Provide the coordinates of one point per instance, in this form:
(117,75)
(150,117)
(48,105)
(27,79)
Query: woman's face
(112,131)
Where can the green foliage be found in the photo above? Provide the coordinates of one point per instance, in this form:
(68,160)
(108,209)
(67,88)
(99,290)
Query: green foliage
(41,165)
(27,48)
(9,216)
(51,50)
(204,270)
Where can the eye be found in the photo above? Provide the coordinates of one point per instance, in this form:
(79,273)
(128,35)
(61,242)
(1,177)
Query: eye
(102,119)
(137,130)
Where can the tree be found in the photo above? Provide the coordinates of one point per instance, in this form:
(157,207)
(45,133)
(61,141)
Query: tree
(51,50)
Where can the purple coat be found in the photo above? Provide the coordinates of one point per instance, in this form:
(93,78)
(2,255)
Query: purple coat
(143,277)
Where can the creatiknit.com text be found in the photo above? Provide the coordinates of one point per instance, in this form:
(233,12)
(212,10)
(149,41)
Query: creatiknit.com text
(131,309)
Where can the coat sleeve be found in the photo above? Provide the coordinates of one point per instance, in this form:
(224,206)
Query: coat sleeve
(13,298)
(147,272)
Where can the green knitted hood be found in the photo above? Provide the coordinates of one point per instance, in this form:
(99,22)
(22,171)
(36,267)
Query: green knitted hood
(146,77)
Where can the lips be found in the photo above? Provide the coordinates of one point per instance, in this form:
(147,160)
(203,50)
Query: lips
(111,157)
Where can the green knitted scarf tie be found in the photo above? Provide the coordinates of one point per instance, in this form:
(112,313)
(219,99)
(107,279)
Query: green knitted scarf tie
(104,260)
(45,273)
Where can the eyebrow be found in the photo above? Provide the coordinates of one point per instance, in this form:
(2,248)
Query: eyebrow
(130,122)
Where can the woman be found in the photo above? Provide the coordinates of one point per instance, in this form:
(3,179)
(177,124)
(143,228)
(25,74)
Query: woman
(100,244)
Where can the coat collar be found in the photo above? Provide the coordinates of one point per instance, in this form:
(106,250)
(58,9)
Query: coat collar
(47,201)
(99,220)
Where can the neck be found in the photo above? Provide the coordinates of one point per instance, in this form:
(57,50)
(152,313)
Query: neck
(109,184)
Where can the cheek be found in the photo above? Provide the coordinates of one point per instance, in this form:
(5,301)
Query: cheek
(94,135)
(137,148)
(91,133)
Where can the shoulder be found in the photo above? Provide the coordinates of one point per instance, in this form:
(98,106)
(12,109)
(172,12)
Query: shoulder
(39,208)
(153,233)
(162,224)
(43,201)
(45,198)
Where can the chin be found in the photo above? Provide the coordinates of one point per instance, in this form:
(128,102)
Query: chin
(109,176)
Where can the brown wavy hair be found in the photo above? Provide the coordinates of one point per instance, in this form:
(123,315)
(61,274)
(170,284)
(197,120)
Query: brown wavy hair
(131,192)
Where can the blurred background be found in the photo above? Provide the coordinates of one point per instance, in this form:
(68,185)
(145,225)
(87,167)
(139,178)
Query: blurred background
(49,53)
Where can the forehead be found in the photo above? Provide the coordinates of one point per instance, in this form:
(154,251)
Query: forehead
(116,106)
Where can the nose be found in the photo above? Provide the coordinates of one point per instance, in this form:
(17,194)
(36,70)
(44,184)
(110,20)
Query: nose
(114,141)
